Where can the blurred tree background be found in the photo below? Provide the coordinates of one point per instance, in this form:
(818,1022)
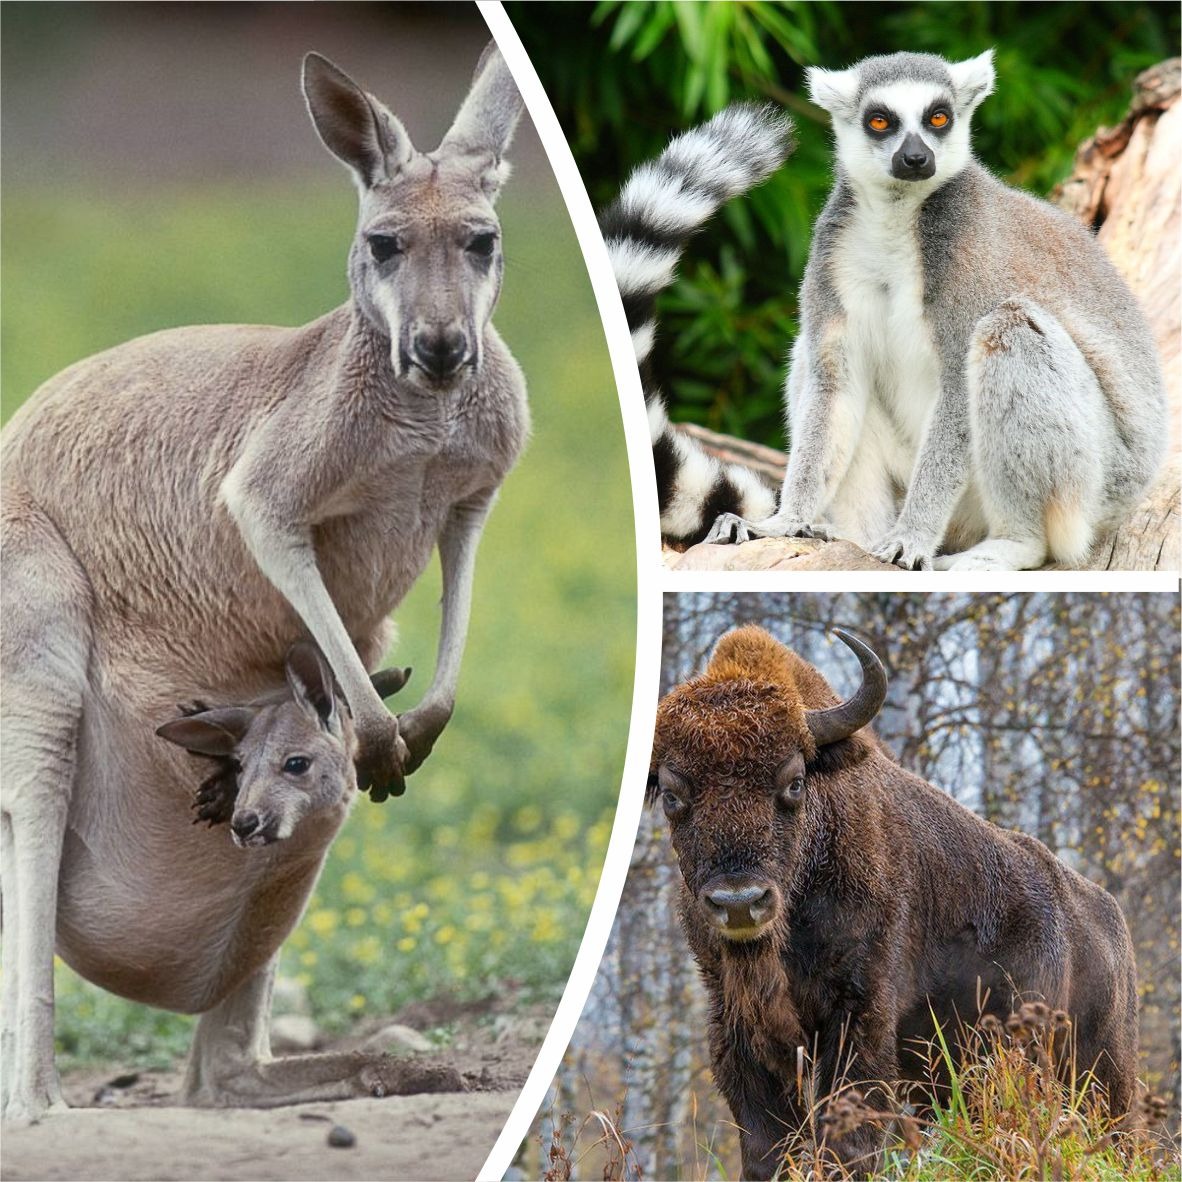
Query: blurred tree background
(159,170)
(1056,715)
(624,75)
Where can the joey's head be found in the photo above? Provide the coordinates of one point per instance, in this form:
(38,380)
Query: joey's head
(736,754)
(901,120)
(425,266)
(284,758)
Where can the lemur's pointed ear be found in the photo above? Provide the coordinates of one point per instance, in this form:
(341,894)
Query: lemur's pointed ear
(836,91)
(973,79)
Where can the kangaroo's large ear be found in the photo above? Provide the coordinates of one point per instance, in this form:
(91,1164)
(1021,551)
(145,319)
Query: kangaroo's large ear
(973,79)
(835,91)
(311,683)
(209,732)
(488,117)
(352,124)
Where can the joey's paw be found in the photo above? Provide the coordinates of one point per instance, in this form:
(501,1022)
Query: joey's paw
(904,550)
(382,759)
(420,728)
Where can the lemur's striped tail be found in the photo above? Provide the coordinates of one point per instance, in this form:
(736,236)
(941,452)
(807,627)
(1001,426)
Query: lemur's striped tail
(663,204)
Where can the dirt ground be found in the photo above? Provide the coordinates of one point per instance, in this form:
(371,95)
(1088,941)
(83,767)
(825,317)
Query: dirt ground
(134,1130)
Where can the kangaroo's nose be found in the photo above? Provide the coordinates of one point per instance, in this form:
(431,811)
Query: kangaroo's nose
(244,824)
(440,352)
(740,908)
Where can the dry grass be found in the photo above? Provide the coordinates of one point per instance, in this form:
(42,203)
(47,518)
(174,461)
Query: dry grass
(1016,1107)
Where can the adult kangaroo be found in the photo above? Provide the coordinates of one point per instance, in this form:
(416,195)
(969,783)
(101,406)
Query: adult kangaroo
(177,511)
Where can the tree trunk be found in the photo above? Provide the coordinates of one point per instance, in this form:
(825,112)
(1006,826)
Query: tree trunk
(1125,183)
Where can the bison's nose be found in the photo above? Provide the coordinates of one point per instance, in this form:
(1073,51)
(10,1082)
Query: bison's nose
(735,908)
(244,824)
(440,352)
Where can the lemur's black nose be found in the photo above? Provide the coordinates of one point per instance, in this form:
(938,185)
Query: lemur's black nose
(913,161)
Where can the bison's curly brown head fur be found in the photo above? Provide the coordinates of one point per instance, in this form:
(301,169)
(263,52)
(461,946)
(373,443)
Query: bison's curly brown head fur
(738,774)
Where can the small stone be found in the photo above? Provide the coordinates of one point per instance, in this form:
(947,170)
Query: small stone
(396,1039)
(340,1137)
(294,1032)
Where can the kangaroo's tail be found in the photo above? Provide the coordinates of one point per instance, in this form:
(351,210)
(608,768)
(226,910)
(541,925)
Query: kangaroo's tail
(664,203)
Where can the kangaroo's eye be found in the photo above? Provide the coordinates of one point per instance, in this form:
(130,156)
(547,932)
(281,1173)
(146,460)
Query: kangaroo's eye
(482,245)
(297,765)
(878,122)
(938,119)
(384,247)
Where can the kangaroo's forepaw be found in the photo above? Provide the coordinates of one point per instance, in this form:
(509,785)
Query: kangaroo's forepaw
(381,766)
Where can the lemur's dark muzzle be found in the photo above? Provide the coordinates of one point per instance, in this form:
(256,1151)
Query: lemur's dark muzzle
(913,161)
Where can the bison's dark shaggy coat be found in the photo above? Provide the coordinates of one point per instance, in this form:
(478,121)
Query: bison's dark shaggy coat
(881,896)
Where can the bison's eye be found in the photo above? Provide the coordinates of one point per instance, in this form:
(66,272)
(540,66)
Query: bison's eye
(297,765)
(791,792)
(384,247)
(672,804)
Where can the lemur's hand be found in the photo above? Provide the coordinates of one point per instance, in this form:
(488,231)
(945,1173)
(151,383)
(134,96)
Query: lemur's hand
(904,549)
(420,728)
(382,759)
(729,528)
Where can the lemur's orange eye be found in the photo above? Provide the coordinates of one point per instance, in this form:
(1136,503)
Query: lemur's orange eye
(938,119)
(878,123)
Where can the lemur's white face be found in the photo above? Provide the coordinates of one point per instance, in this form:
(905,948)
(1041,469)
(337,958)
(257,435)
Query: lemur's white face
(899,132)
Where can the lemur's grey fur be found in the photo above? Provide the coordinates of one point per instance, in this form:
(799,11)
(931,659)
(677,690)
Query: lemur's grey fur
(974,386)
(662,205)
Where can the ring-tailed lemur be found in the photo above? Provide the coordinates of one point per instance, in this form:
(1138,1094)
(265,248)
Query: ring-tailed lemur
(662,205)
(971,374)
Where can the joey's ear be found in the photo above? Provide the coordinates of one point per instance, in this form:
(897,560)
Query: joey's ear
(311,683)
(211,732)
(835,91)
(487,118)
(973,79)
(352,124)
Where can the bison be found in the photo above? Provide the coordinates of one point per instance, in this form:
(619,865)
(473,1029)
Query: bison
(835,902)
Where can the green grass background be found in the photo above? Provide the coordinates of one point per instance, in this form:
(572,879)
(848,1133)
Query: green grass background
(480,879)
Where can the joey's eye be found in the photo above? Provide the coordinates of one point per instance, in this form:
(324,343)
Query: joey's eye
(482,244)
(297,765)
(878,122)
(384,247)
(938,119)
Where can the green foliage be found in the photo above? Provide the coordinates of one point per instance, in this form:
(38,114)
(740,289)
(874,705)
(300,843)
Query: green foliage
(480,879)
(624,76)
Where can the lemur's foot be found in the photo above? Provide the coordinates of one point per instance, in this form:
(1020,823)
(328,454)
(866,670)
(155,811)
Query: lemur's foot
(904,550)
(731,529)
(383,758)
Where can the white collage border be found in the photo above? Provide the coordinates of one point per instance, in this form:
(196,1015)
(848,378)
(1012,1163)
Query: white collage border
(652,579)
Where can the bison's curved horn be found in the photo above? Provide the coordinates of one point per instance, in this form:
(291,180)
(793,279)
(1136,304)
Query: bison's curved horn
(389,681)
(839,722)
